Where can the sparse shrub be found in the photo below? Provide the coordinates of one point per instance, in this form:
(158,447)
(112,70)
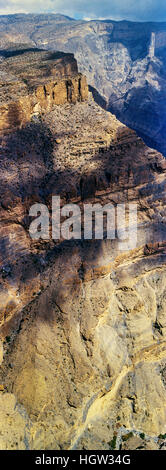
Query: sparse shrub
(162,436)
(127,436)
(8,339)
(112,444)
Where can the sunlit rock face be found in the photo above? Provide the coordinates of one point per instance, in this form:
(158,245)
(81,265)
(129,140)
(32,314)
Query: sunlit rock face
(83,358)
(33,81)
(123,61)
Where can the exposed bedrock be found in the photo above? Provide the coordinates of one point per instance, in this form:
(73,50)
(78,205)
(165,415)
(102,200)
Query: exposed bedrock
(82,321)
(28,89)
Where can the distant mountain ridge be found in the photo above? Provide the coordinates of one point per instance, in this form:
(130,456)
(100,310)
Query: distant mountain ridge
(42,16)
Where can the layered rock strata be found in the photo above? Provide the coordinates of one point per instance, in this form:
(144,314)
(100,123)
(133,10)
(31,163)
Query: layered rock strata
(27,88)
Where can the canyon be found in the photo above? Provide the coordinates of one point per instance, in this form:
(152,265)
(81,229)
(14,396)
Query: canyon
(82,323)
(124,63)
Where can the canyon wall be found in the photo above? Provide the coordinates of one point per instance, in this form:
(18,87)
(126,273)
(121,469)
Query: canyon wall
(27,90)
(82,322)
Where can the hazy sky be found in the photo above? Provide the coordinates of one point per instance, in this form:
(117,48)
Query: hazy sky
(141,10)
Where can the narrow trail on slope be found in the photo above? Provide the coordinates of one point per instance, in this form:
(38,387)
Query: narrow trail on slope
(99,400)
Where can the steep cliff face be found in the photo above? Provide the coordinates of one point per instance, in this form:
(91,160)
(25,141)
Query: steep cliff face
(27,89)
(124,61)
(82,321)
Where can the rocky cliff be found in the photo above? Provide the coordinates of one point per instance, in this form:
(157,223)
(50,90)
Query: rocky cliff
(124,61)
(33,81)
(82,321)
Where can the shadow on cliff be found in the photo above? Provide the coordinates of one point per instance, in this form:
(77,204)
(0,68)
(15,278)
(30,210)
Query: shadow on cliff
(27,153)
(99,99)
(30,173)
